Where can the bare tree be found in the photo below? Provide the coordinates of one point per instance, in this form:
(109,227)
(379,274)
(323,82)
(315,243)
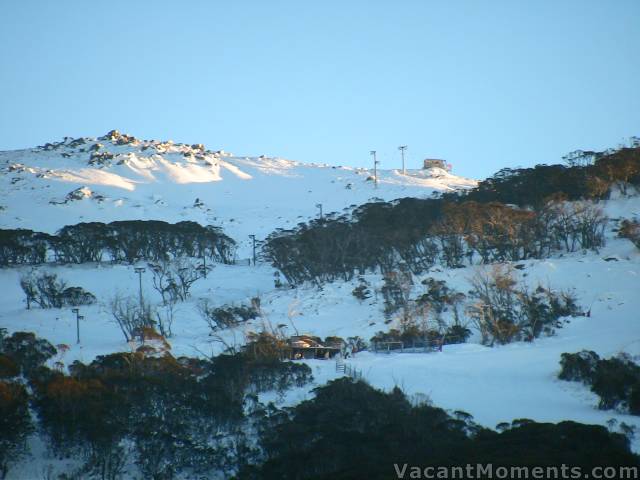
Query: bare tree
(130,316)
(497,315)
(210,315)
(186,274)
(163,281)
(49,291)
(506,311)
(28,286)
(577,224)
(293,312)
(164,318)
(173,279)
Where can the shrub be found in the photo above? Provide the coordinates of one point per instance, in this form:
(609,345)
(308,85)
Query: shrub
(76,297)
(616,380)
(334,341)
(362,291)
(508,312)
(48,291)
(226,316)
(396,291)
(173,279)
(27,351)
(578,367)
(456,334)
(356,344)
(630,229)
(131,316)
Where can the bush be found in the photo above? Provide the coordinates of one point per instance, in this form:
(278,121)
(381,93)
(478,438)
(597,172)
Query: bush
(423,321)
(456,334)
(578,367)
(362,291)
(630,229)
(509,312)
(76,297)
(48,291)
(131,316)
(226,316)
(616,380)
(173,279)
(334,341)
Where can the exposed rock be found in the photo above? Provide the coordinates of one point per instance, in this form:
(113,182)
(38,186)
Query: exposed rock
(78,194)
(126,140)
(111,135)
(77,142)
(119,138)
(16,167)
(101,158)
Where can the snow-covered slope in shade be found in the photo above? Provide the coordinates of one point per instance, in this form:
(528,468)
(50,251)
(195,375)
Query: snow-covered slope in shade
(117,177)
(493,384)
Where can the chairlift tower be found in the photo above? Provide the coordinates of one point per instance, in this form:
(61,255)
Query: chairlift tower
(375,168)
(140,271)
(402,148)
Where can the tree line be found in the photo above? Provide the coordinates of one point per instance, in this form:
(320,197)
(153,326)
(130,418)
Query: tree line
(164,418)
(127,241)
(515,215)
(423,233)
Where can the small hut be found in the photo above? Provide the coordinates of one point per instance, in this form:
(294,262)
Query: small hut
(310,347)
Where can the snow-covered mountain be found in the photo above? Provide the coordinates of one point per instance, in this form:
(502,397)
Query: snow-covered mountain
(118,177)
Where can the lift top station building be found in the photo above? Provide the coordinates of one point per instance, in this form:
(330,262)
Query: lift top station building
(434,163)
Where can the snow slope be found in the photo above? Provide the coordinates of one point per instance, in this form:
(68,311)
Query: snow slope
(152,180)
(257,195)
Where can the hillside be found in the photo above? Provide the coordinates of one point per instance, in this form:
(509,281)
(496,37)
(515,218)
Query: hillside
(117,177)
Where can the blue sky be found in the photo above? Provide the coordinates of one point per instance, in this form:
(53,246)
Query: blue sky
(482,84)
